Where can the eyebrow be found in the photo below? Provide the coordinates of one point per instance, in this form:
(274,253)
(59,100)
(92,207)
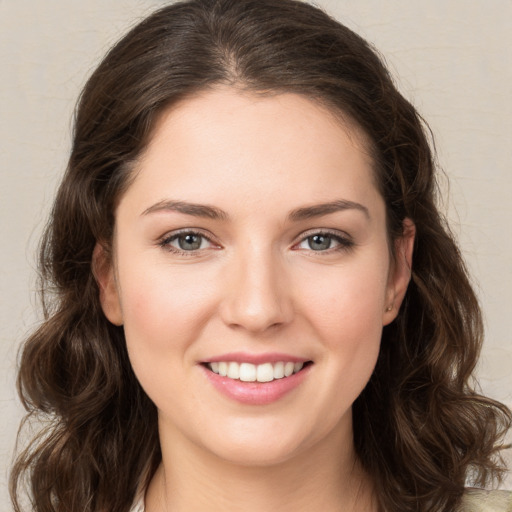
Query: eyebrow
(197,210)
(318,210)
(212,212)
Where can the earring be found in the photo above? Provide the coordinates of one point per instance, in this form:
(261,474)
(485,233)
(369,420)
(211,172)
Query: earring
(389,308)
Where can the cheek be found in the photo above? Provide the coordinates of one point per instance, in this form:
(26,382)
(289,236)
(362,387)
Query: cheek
(164,311)
(346,299)
(344,310)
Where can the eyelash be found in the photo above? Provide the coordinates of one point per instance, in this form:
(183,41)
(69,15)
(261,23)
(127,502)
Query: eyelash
(165,242)
(345,243)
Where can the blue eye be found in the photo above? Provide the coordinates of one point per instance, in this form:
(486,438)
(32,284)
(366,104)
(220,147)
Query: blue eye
(188,241)
(323,242)
(319,242)
(185,242)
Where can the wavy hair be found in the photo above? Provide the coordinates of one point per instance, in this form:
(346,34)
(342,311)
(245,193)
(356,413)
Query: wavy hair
(420,428)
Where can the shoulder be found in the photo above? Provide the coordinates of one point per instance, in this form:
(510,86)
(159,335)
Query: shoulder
(479,500)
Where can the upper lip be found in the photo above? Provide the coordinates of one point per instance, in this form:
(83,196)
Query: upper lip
(243,357)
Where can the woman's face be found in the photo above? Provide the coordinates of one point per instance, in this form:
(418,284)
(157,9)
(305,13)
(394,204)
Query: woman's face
(253,241)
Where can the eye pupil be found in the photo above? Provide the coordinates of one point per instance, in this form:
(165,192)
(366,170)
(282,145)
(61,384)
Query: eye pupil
(189,242)
(319,242)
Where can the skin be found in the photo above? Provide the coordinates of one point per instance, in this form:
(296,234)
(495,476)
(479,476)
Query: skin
(256,286)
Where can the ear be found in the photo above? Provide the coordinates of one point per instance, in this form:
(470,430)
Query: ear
(103,271)
(399,272)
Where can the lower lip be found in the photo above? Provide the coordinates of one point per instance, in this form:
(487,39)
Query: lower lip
(256,393)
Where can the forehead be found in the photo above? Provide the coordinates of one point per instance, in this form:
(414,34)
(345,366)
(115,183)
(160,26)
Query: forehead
(227,143)
(257,112)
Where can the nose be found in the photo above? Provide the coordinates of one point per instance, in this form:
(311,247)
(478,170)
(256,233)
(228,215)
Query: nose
(257,296)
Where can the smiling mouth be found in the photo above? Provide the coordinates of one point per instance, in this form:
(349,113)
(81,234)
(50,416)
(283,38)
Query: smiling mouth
(248,372)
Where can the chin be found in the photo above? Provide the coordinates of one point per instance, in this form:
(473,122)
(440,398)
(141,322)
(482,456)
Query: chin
(255,455)
(260,442)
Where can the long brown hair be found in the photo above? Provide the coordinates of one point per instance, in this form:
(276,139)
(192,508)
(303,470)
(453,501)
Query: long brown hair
(420,428)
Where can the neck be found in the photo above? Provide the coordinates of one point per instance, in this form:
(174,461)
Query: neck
(320,478)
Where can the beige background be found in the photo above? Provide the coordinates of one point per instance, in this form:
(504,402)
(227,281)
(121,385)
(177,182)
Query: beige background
(453,60)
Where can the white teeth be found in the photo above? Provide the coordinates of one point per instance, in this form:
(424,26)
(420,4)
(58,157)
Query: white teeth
(233,371)
(265,373)
(288,369)
(279,370)
(247,372)
(223,369)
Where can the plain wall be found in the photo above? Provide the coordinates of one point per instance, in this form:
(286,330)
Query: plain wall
(452,59)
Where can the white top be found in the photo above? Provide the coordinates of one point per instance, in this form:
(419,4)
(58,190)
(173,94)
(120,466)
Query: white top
(478,500)
(139,505)
(475,500)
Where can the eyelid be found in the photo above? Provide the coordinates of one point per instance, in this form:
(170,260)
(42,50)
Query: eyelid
(165,240)
(344,240)
(324,231)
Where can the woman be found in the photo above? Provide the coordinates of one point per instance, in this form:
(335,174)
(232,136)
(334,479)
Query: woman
(252,302)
